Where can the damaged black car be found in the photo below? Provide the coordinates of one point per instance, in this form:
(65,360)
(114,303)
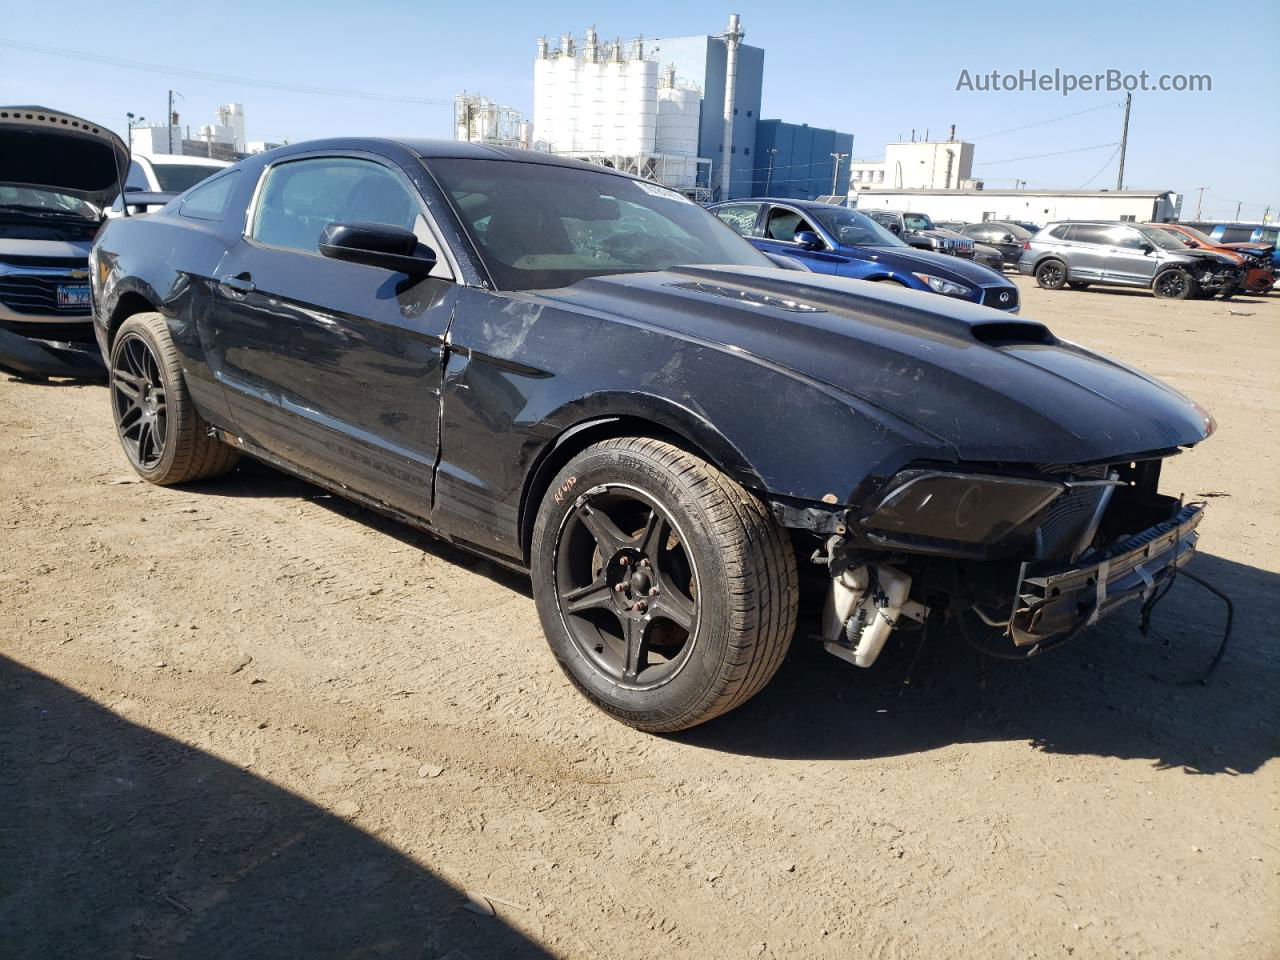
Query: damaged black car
(58,175)
(584,375)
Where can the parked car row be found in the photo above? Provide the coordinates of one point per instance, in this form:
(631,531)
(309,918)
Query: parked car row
(667,423)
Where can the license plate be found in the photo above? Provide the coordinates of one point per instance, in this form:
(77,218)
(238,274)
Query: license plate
(73,295)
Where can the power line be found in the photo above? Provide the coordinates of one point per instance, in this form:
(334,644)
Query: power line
(1039,156)
(218,77)
(1041,123)
(1104,167)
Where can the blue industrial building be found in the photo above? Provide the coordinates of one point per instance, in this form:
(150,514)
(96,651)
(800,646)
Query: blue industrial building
(795,160)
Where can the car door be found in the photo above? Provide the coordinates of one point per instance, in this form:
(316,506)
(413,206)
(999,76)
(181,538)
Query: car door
(1086,251)
(334,366)
(781,224)
(1131,257)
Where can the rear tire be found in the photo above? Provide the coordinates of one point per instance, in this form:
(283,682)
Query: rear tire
(1174,284)
(164,438)
(1052,274)
(667,592)
(1078,284)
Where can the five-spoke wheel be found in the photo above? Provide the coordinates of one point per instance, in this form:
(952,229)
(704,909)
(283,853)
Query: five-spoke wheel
(666,590)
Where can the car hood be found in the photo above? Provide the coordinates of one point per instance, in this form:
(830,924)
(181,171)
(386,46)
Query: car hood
(985,386)
(13,250)
(936,264)
(44,148)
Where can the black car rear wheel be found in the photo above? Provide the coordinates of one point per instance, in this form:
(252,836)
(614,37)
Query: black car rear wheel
(1174,284)
(163,436)
(1052,274)
(667,592)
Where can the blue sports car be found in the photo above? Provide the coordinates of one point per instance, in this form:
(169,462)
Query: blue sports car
(833,239)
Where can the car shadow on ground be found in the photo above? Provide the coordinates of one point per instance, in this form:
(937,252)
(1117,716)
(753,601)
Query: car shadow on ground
(1112,693)
(118,842)
(252,478)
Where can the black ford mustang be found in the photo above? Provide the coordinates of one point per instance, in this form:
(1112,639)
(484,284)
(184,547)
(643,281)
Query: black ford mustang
(580,373)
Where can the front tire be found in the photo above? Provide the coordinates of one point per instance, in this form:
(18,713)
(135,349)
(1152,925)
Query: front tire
(1052,274)
(163,436)
(1078,284)
(667,592)
(1174,284)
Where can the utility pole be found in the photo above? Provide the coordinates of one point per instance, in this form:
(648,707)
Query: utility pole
(732,40)
(1124,140)
(773,152)
(1238,206)
(1199,200)
(835,173)
(169,122)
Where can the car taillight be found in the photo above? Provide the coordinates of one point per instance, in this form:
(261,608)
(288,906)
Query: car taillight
(1026,244)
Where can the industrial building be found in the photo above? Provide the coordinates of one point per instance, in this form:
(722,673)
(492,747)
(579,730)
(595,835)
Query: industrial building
(800,161)
(477,119)
(1034,206)
(917,165)
(223,140)
(661,109)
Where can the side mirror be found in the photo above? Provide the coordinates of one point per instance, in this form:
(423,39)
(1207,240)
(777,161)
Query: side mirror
(1190,242)
(377,245)
(1008,238)
(895,227)
(808,240)
(1146,248)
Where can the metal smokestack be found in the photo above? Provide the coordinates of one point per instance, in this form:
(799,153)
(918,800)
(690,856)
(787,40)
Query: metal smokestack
(732,40)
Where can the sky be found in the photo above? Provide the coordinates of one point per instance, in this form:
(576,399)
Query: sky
(877,70)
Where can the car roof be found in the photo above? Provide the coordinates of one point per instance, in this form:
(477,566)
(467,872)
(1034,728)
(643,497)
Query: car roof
(786,201)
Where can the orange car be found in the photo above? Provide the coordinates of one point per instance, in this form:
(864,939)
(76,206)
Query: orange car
(1260,272)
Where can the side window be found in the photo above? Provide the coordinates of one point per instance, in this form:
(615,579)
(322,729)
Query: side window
(209,201)
(302,197)
(1091,233)
(1236,234)
(785,224)
(740,216)
(1062,232)
(1129,239)
(136,178)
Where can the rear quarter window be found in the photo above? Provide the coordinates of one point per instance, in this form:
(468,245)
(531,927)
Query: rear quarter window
(210,200)
(1237,234)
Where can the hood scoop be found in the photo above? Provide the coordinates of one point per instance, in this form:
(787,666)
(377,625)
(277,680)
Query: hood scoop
(1009,333)
(748,297)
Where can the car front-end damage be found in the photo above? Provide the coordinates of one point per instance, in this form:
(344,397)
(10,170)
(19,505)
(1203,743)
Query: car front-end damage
(1022,559)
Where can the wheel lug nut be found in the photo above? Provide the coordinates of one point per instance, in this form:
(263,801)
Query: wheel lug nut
(619,587)
(644,563)
(625,561)
(653,591)
(641,606)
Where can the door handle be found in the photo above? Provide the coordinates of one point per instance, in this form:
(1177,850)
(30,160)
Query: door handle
(240,283)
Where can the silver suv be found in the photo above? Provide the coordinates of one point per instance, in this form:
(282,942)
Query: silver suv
(1114,253)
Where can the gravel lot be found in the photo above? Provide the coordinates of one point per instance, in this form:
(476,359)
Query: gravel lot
(247,719)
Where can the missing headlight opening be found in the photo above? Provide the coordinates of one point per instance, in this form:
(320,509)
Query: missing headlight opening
(1023,559)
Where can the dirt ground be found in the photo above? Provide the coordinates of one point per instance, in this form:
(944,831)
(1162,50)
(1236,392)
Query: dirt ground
(247,719)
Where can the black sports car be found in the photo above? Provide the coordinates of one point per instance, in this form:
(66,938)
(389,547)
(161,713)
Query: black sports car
(583,374)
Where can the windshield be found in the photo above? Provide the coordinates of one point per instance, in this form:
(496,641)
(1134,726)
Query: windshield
(46,201)
(917,221)
(539,226)
(177,177)
(851,228)
(1019,233)
(1202,238)
(1163,240)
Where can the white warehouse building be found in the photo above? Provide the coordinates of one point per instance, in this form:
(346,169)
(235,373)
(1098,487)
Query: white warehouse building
(611,105)
(973,206)
(916,165)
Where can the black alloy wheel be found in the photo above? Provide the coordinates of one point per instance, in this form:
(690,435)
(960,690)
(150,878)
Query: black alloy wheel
(627,586)
(1052,274)
(139,400)
(1174,284)
(163,435)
